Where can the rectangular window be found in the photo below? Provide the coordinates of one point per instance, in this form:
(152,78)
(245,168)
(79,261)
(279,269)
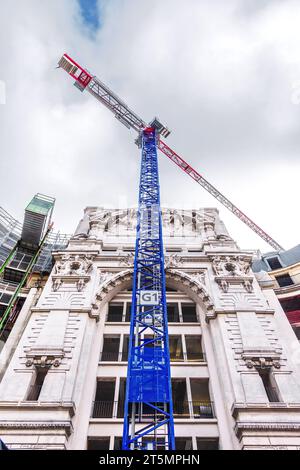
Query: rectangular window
(36,388)
(274,262)
(121,400)
(183,443)
(118,443)
(110,351)
(284,280)
(2,309)
(205,443)
(104,399)
(175,345)
(5,298)
(202,406)
(269,385)
(194,348)
(128,312)
(173,313)
(180,401)
(125,348)
(115,312)
(189,314)
(98,443)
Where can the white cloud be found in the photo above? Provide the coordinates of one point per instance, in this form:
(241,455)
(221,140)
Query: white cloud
(219,74)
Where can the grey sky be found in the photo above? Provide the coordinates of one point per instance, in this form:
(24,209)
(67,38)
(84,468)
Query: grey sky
(224,77)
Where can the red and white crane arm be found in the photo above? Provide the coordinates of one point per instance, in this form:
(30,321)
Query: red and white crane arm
(84,80)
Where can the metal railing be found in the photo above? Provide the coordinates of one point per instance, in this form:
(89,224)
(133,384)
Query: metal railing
(193,409)
(108,409)
(182,410)
(111,356)
(189,357)
(172,318)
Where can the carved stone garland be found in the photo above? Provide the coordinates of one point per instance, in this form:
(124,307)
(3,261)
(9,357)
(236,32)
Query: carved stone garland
(232,270)
(70,269)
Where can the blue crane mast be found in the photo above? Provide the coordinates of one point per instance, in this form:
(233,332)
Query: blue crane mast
(148,386)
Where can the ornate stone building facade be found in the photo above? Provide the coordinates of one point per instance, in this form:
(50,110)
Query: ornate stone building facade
(235,359)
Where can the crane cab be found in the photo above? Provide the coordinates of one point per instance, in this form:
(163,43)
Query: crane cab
(160,128)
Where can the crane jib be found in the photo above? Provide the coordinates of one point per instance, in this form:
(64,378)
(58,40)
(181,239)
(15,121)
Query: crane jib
(85,80)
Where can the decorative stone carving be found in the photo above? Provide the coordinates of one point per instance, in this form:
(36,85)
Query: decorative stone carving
(71,264)
(232,270)
(230,266)
(127,260)
(199,277)
(104,276)
(72,272)
(261,361)
(187,280)
(173,261)
(197,287)
(44,358)
(248,285)
(63,299)
(241,300)
(56,283)
(80,284)
(224,285)
(112,282)
(209,230)
(95,311)
(83,227)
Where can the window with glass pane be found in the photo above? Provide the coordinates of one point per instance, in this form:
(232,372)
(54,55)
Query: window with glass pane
(125,348)
(121,399)
(194,348)
(110,350)
(189,314)
(205,443)
(98,443)
(115,312)
(202,406)
(173,312)
(180,401)
(175,346)
(104,399)
(128,312)
(183,443)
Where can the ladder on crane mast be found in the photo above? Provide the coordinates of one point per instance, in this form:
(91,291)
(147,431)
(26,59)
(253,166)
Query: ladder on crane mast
(23,256)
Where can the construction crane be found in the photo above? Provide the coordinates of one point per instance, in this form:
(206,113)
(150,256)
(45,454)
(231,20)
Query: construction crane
(22,257)
(84,80)
(148,414)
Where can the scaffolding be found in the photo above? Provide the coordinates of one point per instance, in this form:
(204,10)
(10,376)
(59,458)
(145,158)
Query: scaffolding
(24,248)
